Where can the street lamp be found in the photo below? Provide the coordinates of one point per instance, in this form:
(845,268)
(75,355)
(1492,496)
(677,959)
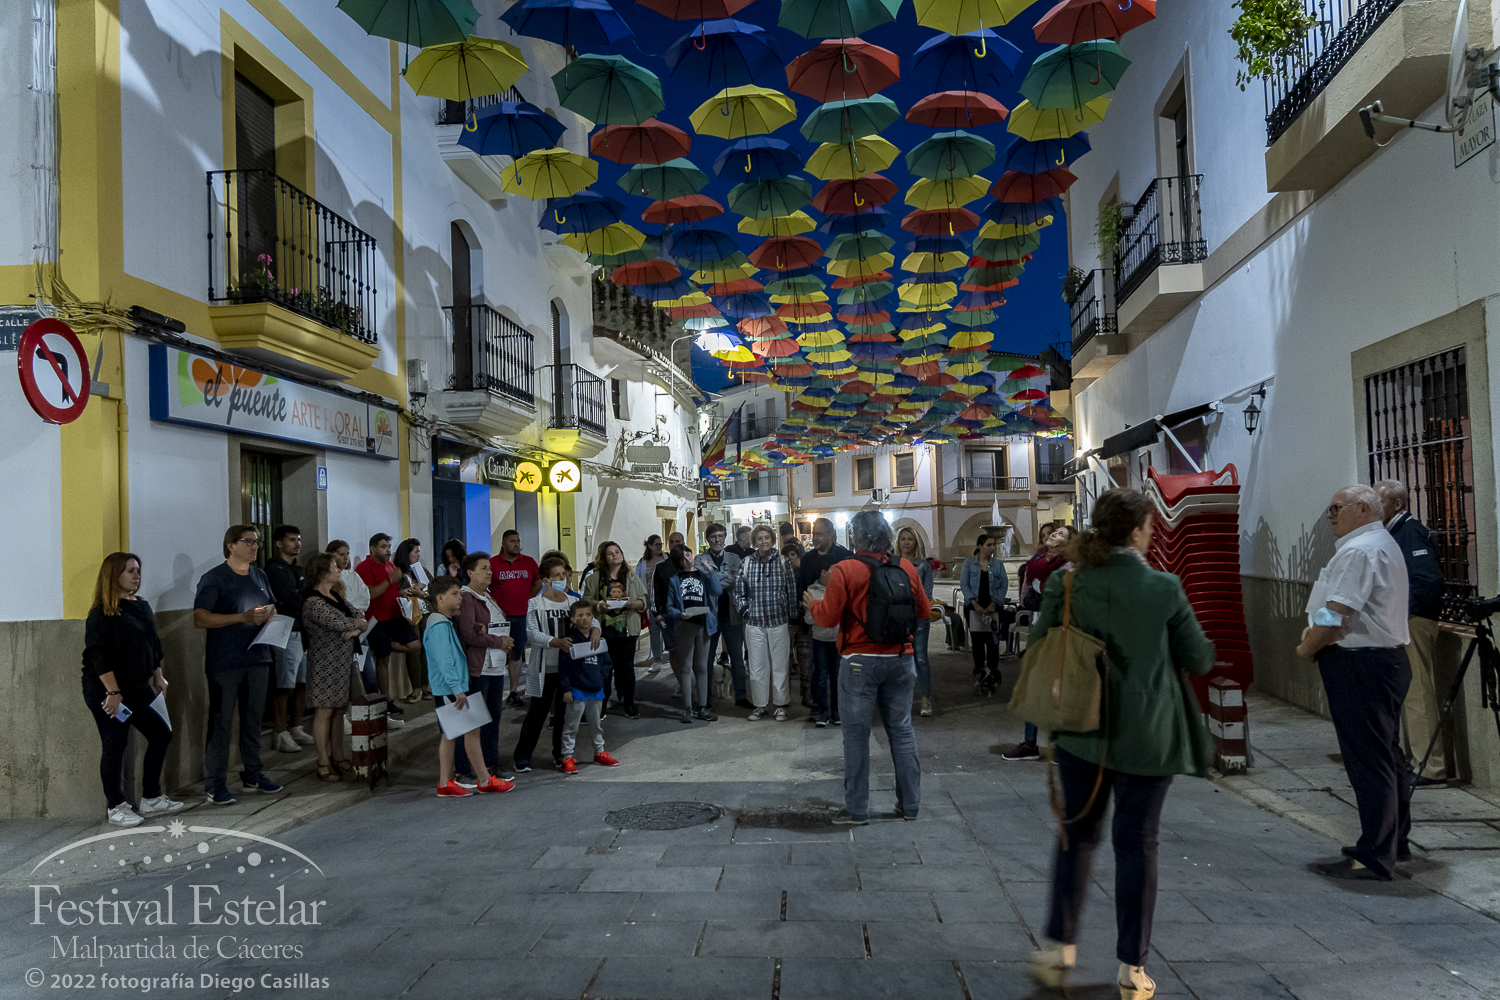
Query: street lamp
(1253,412)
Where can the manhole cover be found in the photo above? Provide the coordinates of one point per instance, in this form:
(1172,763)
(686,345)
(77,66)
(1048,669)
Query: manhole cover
(802,818)
(663,816)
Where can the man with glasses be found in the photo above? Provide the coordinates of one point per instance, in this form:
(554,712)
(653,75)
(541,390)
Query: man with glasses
(726,565)
(1357,631)
(233,601)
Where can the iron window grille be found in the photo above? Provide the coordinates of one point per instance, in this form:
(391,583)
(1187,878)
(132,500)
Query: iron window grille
(578,400)
(1342,27)
(457,112)
(1093,311)
(1166,229)
(498,353)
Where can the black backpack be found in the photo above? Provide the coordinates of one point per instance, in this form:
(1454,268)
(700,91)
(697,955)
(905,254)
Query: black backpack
(890,610)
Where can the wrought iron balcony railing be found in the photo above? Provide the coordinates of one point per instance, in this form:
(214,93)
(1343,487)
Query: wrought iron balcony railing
(989,484)
(767,487)
(1094,308)
(1341,27)
(578,400)
(1167,228)
(457,112)
(491,353)
(270,242)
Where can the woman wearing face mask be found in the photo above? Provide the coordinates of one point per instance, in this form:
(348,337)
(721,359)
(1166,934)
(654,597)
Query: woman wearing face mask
(548,621)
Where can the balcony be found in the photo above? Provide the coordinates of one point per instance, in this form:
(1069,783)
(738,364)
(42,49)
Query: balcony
(987,484)
(576,427)
(289,280)
(482,173)
(768,488)
(1097,345)
(1159,261)
(1359,51)
(492,389)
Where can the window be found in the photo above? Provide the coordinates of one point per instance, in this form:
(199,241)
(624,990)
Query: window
(1417,419)
(823,482)
(988,469)
(752,423)
(864,474)
(619,398)
(463,300)
(903,470)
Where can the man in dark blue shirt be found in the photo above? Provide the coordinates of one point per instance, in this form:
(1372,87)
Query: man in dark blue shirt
(1425,579)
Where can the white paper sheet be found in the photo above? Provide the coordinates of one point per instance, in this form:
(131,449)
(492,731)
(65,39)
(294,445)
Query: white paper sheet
(369,627)
(456,721)
(495,659)
(615,605)
(159,706)
(275,632)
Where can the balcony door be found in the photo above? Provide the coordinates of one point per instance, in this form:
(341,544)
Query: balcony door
(463,300)
(255,194)
(987,469)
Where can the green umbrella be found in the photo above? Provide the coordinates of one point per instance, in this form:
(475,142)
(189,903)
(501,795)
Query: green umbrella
(415,22)
(1008,247)
(1070,76)
(873,292)
(609,89)
(845,121)
(858,246)
(835,18)
(645,252)
(972,320)
(950,155)
(764,199)
(673,179)
(800,285)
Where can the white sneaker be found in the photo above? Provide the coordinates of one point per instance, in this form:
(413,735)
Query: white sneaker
(780,715)
(158,805)
(348,727)
(394,723)
(286,744)
(122,815)
(301,736)
(1050,966)
(1134,983)
(757,715)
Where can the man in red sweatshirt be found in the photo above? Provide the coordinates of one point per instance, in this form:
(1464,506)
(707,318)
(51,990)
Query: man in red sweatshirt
(872,674)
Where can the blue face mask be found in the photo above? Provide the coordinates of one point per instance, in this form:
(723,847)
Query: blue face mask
(559,585)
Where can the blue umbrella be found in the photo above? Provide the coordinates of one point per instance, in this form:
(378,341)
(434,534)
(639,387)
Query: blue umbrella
(698,245)
(1039,157)
(512,129)
(584,212)
(723,53)
(764,159)
(937,244)
(931,277)
(657,291)
(1022,213)
(952,62)
(568,22)
(744,305)
(858,222)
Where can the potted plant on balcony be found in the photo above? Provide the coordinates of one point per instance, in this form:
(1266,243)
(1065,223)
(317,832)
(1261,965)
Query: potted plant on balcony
(1270,33)
(1108,228)
(1072,284)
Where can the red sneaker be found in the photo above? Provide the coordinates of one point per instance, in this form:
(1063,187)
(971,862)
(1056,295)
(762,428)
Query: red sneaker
(570,766)
(496,785)
(453,789)
(605,760)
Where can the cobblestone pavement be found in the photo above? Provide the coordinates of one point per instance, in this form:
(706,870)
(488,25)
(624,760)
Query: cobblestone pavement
(540,893)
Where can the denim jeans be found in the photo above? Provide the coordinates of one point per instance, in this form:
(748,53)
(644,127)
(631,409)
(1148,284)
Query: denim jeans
(732,635)
(867,683)
(367,675)
(491,689)
(825,679)
(656,640)
(243,688)
(919,640)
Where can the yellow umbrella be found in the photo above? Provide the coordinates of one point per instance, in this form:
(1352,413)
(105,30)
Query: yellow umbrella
(971,338)
(848,160)
(722,274)
(838,355)
(617,237)
(919,295)
(549,173)
(853,267)
(804,297)
(959,17)
(930,195)
(931,263)
(690,299)
(821,338)
(752,111)
(473,67)
(967,368)
(738,354)
(922,331)
(779,225)
(1035,124)
(1006,230)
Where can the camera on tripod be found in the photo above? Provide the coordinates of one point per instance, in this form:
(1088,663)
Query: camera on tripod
(1477,609)
(1475,612)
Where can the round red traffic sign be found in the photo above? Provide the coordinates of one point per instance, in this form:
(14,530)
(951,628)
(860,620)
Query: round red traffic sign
(54,371)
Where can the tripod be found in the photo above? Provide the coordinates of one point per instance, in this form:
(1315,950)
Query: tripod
(1489,681)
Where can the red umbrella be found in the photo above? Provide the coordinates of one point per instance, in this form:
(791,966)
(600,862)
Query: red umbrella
(1029,371)
(779,348)
(696,10)
(845,197)
(651,141)
(689,208)
(645,272)
(786,253)
(925,370)
(1014,186)
(802,312)
(692,312)
(998,287)
(735,287)
(867,319)
(945,222)
(792,371)
(981,262)
(855,280)
(1029,394)
(749,376)
(957,109)
(842,69)
(1074,21)
(762,326)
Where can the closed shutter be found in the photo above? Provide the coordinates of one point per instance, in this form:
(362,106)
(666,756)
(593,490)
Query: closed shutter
(255,150)
(463,300)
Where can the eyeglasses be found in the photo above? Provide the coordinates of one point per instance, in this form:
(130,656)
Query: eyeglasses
(1334,508)
(254,543)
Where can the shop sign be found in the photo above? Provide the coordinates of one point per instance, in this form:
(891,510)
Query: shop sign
(495,468)
(528,477)
(13,323)
(189,388)
(713,492)
(565,476)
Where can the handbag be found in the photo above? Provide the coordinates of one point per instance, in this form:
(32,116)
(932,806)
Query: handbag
(1061,683)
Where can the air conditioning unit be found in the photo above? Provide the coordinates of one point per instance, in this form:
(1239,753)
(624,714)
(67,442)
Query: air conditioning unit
(877,496)
(416,376)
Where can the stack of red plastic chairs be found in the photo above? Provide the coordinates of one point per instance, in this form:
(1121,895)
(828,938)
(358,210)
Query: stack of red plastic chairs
(1197,537)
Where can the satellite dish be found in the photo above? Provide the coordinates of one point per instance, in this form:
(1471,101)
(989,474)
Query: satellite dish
(1458,69)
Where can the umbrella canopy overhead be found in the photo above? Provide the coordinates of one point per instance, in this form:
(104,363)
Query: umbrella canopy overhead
(651,141)
(835,18)
(1074,21)
(950,155)
(723,53)
(1016,186)
(1033,123)
(511,129)
(609,89)
(959,16)
(742,111)
(1070,76)
(673,179)
(568,22)
(763,199)
(764,159)
(581,213)
(841,69)
(936,195)
(549,173)
(843,121)
(458,71)
(957,109)
(414,22)
(1034,157)
(856,194)
(848,160)
(695,10)
(974,61)
(689,208)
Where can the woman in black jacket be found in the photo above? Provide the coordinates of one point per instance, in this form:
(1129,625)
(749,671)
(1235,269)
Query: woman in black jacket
(121,679)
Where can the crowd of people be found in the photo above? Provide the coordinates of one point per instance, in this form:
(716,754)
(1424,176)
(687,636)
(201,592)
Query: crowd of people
(855,622)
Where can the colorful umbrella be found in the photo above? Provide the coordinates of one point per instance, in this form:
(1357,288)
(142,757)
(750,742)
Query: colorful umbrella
(549,173)
(609,89)
(949,155)
(843,121)
(644,272)
(415,22)
(1070,76)
(614,238)
(763,199)
(572,23)
(962,62)
(1014,186)
(1034,157)
(695,10)
(688,208)
(957,109)
(849,196)
(742,111)
(848,160)
(673,179)
(778,225)
(695,244)
(764,159)
(959,16)
(835,18)
(723,53)
(511,129)
(837,223)
(941,222)
(581,213)
(651,141)
(1034,124)
(458,71)
(937,195)
(1074,21)
(843,68)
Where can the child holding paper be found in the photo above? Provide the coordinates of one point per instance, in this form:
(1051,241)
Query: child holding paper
(583,674)
(448,673)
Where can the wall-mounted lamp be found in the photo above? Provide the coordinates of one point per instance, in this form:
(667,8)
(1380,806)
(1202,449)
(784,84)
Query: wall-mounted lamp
(1253,412)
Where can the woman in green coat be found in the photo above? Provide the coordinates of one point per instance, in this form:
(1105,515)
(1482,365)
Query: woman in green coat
(1151,730)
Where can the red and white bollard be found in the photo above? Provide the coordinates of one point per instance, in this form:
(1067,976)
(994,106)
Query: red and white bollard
(367,742)
(1226,720)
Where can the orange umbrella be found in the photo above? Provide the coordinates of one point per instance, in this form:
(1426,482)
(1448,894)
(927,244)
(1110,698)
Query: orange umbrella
(841,69)
(946,222)
(695,10)
(957,109)
(1074,21)
(855,280)
(688,208)
(1014,186)
(651,141)
(781,347)
(848,196)
(735,287)
(762,326)
(645,272)
(801,312)
(692,312)
(786,253)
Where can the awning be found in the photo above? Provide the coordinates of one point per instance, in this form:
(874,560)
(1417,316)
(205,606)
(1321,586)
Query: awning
(1142,435)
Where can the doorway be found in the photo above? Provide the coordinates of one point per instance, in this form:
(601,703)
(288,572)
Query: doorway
(260,497)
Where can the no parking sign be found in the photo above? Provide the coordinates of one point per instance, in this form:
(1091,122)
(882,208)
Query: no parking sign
(54,371)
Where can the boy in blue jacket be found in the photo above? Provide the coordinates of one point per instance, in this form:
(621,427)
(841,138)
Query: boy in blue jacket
(448,673)
(583,676)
